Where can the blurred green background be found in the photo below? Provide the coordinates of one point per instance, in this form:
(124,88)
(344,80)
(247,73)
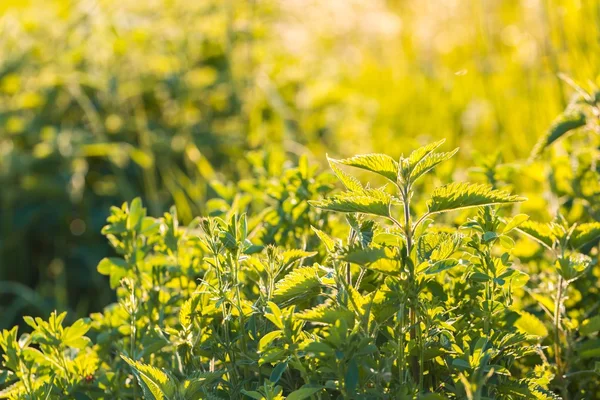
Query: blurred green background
(105,100)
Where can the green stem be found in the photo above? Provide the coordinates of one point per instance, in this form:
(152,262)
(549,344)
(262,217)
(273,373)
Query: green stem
(132,335)
(415,367)
(407,224)
(348,270)
(401,345)
(557,303)
(560,368)
(241,321)
(233,374)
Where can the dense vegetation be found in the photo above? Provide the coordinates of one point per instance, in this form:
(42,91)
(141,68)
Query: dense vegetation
(410,270)
(276,296)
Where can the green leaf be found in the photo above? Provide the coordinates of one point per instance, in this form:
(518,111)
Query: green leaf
(290,256)
(442,265)
(304,392)
(72,334)
(542,233)
(268,339)
(325,238)
(478,351)
(319,349)
(589,349)
(381,164)
(573,266)
(463,195)
(301,283)
(435,246)
(564,124)
(6,377)
(326,314)
(188,310)
(531,325)
(429,162)
(515,222)
(479,277)
(590,326)
(253,394)
(507,242)
(350,182)
(421,161)
(195,385)
(489,236)
(106,265)
(421,153)
(278,320)
(376,202)
(368,255)
(389,239)
(461,364)
(364,229)
(136,214)
(30,321)
(516,278)
(583,234)
(278,371)
(544,301)
(386,266)
(351,377)
(155,383)
(115,268)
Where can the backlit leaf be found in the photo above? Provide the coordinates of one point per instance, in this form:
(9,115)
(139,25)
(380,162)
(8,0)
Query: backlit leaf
(376,202)
(301,283)
(350,182)
(584,233)
(542,233)
(564,124)
(381,164)
(531,325)
(155,383)
(463,195)
(429,162)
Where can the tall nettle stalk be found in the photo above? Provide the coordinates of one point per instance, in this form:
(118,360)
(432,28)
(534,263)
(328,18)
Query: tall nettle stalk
(411,228)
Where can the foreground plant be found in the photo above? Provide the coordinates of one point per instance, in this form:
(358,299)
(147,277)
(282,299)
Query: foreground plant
(270,303)
(568,246)
(564,243)
(415,257)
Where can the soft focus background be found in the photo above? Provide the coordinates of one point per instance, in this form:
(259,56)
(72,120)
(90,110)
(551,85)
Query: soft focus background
(105,100)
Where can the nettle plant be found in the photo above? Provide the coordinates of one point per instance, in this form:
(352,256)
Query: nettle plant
(434,302)
(574,342)
(192,301)
(274,304)
(569,264)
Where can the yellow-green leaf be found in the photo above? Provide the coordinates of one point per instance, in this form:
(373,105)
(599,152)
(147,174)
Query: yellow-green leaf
(531,325)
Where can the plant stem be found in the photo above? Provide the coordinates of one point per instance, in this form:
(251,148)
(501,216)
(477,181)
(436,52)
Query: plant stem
(407,227)
(557,326)
(414,360)
(132,347)
(233,374)
(351,238)
(241,322)
(488,314)
(401,345)
(557,303)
